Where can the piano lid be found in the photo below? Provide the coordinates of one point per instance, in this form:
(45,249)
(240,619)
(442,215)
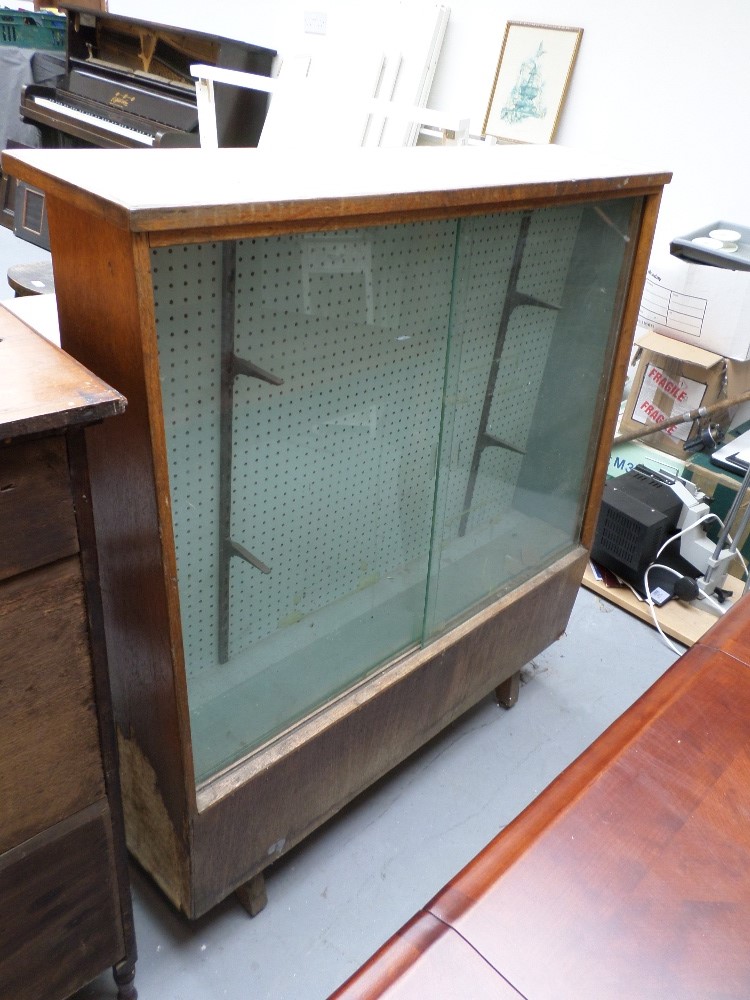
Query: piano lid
(138,47)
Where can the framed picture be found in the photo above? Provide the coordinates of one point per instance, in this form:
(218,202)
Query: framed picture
(531,80)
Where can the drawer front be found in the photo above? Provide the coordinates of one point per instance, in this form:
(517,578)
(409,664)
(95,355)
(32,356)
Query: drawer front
(37,518)
(50,757)
(59,909)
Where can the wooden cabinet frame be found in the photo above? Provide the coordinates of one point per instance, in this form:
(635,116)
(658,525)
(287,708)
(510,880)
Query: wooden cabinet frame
(106,212)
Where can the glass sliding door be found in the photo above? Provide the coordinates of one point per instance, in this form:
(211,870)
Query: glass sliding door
(364,442)
(302,448)
(537,300)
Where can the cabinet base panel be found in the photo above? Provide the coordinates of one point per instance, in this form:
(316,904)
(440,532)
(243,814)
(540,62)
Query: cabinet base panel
(257,811)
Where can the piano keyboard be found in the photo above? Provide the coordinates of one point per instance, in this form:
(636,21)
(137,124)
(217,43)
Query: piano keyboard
(101,124)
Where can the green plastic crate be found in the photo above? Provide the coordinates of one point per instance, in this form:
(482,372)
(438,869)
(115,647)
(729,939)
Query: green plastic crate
(32,29)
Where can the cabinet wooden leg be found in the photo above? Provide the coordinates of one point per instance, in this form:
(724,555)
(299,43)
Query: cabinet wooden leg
(252,895)
(507,692)
(124,974)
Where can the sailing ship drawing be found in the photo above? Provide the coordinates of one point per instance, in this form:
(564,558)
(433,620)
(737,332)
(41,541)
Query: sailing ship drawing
(526,97)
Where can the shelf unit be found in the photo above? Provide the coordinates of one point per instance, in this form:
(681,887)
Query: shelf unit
(370,408)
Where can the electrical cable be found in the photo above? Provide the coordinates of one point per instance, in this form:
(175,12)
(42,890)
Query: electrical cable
(656,565)
(684,531)
(706,517)
(712,600)
(650,600)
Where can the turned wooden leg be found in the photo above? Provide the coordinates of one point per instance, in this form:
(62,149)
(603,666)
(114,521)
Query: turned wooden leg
(124,974)
(252,894)
(507,692)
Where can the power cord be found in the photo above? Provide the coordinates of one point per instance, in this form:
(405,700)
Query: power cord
(650,600)
(690,588)
(679,534)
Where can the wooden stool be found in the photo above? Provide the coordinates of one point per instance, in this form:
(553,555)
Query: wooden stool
(31,279)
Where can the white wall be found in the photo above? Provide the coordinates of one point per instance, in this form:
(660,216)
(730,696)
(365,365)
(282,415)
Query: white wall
(669,78)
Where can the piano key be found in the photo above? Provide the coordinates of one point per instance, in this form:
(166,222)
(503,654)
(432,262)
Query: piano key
(103,124)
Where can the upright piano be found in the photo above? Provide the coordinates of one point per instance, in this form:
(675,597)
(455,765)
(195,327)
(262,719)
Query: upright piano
(126,83)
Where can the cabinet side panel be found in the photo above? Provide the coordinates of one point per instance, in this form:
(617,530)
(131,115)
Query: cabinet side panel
(81,486)
(106,316)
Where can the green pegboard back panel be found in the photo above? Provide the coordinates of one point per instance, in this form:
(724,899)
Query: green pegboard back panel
(334,470)
(487,248)
(187,293)
(384,339)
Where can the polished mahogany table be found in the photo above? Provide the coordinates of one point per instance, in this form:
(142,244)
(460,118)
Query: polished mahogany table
(628,878)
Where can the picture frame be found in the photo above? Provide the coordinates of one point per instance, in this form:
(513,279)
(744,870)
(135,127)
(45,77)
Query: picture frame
(531,81)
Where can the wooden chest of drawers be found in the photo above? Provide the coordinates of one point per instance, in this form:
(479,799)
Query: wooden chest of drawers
(65,912)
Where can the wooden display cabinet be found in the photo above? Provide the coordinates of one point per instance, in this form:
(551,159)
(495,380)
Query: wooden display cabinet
(371,399)
(65,912)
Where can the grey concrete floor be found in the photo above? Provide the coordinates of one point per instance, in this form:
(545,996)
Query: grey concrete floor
(338,896)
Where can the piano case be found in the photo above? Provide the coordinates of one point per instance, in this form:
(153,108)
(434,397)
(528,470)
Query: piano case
(126,83)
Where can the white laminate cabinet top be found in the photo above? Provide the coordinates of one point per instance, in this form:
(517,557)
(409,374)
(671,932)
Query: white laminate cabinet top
(180,188)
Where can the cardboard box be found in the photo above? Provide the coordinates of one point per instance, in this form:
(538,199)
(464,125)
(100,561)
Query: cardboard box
(624,458)
(708,307)
(673,378)
(720,487)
